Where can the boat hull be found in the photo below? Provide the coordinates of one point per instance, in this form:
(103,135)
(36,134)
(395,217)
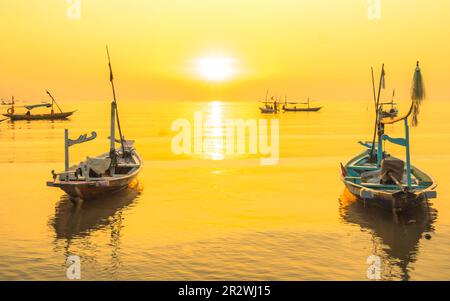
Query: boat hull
(54,116)
(390,114)
(315,109)
(398,201)
(93,189)
(267,111)
(96,188)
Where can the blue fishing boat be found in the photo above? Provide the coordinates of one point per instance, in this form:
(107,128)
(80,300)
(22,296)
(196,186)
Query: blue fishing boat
(375,176)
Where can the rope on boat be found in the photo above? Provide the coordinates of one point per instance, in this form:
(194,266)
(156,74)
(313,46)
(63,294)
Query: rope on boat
(54,101)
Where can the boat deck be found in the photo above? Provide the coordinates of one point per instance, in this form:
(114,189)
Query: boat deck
(357,166)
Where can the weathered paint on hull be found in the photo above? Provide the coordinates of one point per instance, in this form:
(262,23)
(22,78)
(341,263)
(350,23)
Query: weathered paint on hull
(387,200)
(93,190)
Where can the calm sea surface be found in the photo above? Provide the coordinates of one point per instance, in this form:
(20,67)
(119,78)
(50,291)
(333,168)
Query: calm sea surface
(215,216)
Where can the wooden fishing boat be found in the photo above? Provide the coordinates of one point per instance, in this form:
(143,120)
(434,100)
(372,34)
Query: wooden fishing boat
(364,180)
(268,110)
(50,116)
(28,116)
(84,180)
(270,106)
(392,111)
(308,107)
(376,177)
(4,103)
(295,109)
(104,174)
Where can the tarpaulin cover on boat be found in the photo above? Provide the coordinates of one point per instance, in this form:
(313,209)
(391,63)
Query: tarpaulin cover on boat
(98,165)
(395,167)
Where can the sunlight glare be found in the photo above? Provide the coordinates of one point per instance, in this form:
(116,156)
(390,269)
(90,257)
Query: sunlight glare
(216,68)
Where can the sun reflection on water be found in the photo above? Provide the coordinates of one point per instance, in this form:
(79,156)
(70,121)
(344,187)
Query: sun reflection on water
(214,146)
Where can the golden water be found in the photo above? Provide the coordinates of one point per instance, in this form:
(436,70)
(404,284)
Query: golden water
(216,216)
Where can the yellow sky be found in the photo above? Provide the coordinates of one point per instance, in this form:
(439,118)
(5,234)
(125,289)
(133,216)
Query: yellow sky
(318,48)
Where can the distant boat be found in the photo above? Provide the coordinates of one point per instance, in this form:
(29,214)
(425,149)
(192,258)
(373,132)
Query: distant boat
(376,177)
(308,107)
(270,106)
(28,116)
(4,103)
(393,111)
(104,174)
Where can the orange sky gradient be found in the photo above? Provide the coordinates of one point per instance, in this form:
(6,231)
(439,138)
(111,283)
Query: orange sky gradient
(317,48)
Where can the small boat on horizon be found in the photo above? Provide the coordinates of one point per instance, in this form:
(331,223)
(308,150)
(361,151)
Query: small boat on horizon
(28,116)
(393,111)
(308,107)
(105,174)
(270,106)
(378,178)
(4,103)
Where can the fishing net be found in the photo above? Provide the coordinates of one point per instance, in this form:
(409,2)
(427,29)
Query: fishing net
(417,95)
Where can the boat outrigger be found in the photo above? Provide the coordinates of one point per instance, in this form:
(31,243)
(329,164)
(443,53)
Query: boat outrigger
(104,174)
(308,107)
(28,116)
(376,177)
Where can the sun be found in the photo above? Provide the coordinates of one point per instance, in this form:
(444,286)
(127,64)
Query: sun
(215,68)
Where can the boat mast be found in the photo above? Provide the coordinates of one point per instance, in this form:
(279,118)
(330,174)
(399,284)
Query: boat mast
(12,105)
(392,101)
(54,101)
(408,154)
(112,135)
(66,150)
(114,111)
(377,112)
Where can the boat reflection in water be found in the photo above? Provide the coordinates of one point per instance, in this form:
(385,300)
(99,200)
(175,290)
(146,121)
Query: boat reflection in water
(72,221)
(395,239)
(76,224)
